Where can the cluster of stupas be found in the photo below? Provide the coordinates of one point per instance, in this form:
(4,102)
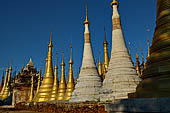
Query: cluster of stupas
(50,89)
(116,78)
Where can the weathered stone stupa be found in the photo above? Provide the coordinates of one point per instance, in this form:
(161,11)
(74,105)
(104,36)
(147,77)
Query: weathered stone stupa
(89,82)
(121,77)
(156,76)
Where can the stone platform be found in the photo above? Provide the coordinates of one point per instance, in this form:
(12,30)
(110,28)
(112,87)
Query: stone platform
(155,105)
(139,105)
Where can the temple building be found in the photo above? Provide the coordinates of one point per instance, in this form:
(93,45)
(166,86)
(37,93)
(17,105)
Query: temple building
(22,83)
(121,77)
(89,81)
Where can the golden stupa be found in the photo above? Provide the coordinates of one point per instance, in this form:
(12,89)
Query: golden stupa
(157,73)
(5,82)
(54,91)
(138,69)
(6,90)
(100,66)
(70,84)
(47,83)
(105,56)
(62,84)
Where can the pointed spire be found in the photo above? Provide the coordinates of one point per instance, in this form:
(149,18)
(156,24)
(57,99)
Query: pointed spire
(105,41)
(56,67)
(71,59)
(63,64)
(143,60)
(50,44)
(30,63)
(105,64)
(86,20)
(138,64)
(100,66)
(23,64)
(55,85)
(148,48)
(70,84)
(148,30)
(137,57)
(62,84)
(47,83)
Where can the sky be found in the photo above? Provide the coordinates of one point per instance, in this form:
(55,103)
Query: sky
(25,27)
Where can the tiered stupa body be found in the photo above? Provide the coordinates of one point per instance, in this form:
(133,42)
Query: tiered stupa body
(62,84)
(70,84)
(156,76)
(121,77)
(6,91)
(55,86)
(47,83)
(89,82)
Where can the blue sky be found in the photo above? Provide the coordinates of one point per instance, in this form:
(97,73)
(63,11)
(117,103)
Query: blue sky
(25,27)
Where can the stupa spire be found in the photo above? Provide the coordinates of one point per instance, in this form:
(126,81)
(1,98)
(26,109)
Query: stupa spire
(86,20)
(105,64)
(70,84)
(100,66)
(89,80)
(138,70)
(120,67)
(47,83)
(62,84)
(55,86)
(148,48)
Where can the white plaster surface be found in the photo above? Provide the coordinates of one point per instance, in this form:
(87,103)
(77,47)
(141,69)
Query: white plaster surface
(89,83)
(121,77)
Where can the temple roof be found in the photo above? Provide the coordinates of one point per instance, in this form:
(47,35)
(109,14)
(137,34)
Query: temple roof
(30,63)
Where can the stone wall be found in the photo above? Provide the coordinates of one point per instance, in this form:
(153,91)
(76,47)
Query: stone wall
(62,107)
